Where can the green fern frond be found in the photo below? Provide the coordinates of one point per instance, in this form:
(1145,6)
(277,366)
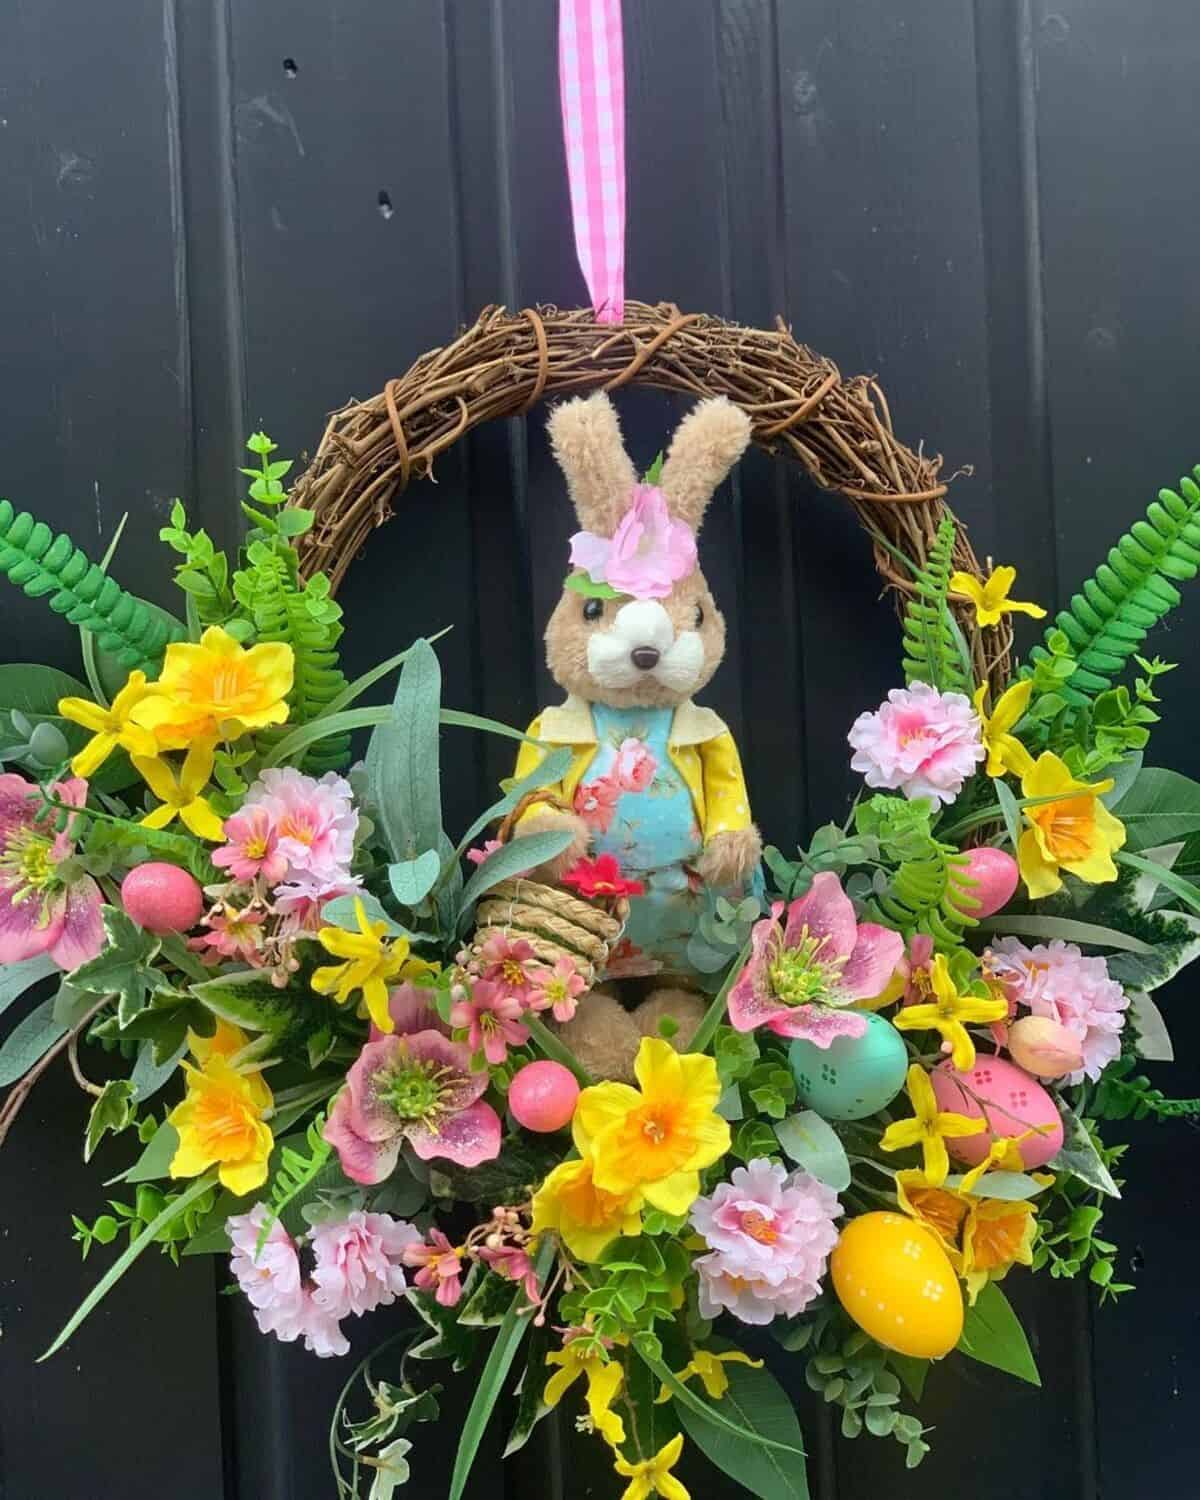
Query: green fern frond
(1129,593)
(44,564)
(931,651)
(295,1173)
(928,890)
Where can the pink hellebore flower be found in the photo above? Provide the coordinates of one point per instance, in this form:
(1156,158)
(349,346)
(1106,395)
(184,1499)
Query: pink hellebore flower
(558,989)
(418,1088)
(251,848)
(919,742)
(504,962)
(492,1020)
(412,1007)
(441,1268)
(800,979)
(47,905)
(648,553)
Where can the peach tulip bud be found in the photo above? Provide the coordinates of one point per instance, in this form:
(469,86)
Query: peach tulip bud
(1044,1047)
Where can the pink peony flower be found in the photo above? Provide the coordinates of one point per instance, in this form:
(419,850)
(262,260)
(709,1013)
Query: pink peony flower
(272,1281)
(359,1262)
(441,1268)
(231,934)
(800,979)
(505,962)
(558,989)
(47,905)
(492,1020)
(648,553)
(750,1299)
(418,1088)
(252,847)
(634,766)
(596,803)
(315,821)
(1055,980)
(484,851)
(920,742)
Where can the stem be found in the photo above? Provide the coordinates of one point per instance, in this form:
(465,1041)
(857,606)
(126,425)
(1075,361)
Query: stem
(21,1091)
(712,1016)
(73,1058)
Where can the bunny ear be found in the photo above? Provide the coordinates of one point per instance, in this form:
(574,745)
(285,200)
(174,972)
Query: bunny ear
(586,438)
(707,444)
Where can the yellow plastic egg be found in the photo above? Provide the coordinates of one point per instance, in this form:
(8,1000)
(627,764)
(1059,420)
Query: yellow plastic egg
(896,1282)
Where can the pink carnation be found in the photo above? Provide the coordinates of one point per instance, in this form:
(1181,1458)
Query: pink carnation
(647,554)
(315,821)
(1055,980)
(359,1262)
(770,1235)
(283,1302)
(920,742)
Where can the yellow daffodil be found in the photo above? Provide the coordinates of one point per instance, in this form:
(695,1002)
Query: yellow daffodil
(110,726)
(655,1139)
(709,1370)
(941,1209)
(990,597)
(1005,751)
(221,1119)
(182,796)
(928,1128)
(1004,1155)
(217,687)
(997,1235)
(948,1012)
(1074,832)
(604,1380)
(585,1218)
(371,962)
(653,1476)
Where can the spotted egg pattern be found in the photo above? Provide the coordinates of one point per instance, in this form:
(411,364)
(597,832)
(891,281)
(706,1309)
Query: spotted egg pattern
(855,1076)
(896,1282)
(1011,1100)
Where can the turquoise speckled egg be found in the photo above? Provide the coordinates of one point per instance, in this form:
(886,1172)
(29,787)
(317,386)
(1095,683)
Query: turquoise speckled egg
(854,1076)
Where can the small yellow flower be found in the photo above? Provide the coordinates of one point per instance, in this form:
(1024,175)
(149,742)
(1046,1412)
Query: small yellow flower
(997,1235)
(653,1476)
(1004,1155)
(990,597)
(182,796)
(941,1209)
(370,963)
(928,1128)
(1005,752)
(585,1218)
(656,1140)
(708,1368)
(221,1119)
(217,687)
(948,1012)
(110,726)
(1075,832)
(604,1380)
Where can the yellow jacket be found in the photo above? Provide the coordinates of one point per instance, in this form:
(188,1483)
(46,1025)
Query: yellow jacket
(700,747)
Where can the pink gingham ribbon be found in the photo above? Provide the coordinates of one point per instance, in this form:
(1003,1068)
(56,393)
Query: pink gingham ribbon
(591,78)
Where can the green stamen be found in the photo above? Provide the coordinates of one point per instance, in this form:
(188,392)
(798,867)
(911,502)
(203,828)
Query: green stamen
(800,976)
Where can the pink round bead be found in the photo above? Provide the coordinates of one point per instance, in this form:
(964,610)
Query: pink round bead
(995,874)
(542,1096)
(162,898)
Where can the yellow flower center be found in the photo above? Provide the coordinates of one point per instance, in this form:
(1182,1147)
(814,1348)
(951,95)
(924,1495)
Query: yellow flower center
(256,848)
(759,1227)
(512,972)
(292,828)
(1068,827)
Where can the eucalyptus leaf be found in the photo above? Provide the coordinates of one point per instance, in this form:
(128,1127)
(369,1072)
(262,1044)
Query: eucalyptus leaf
(813,1144)
(342,912)
(411,880)
(912,1372)
(16,979)
(402,759)
(149,1076)
(29,1042)
(992,1335)
(513,859)
(1013,1187)
(548,771)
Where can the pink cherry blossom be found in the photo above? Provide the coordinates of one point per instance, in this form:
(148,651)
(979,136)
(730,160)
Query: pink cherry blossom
(251,847)
(417,1088)
(506,962)
(1055,980)
(231,934)
(920,742)
(47,905)
(596,802)
(440,1268)
(800,978)
(558,989)
(514,1264)
(648,554)
(358,1262)
(491,1019)
(634,766)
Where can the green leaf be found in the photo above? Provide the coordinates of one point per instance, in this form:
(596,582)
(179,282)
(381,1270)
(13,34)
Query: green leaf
(341,912)
(248,1000)
(581,582)
(530,1406)
(155,1161)
(411,880)
(549,770)
(489,1303)
(33,689)
(911,1371)
(554,1047)
(402,759)
(16,978)
(1010,809)
(813,1144)
(522,1163)
(757,1402)
(1068,929)
(29,1042)
(1159,807)
(113,674)
(113,1110)
(123,968)
(1013,1187)
(714,1416)
(448,1339)
(491,1380)
(393,1467)
(992,1335)
(1182,888)
(511,860)
(1079,1155)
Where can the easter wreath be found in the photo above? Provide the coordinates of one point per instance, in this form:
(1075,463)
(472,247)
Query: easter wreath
(365,1031)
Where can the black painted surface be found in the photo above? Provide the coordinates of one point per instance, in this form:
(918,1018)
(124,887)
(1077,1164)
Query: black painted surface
(994,206)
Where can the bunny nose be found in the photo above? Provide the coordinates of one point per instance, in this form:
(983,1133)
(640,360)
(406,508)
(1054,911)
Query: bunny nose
(644,657)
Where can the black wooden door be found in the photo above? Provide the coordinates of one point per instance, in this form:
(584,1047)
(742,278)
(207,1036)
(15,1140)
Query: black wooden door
(225,213)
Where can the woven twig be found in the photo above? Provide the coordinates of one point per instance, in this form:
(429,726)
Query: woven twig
(798,403)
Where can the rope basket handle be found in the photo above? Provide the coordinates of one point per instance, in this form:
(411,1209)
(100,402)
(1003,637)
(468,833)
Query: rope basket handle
(531,799)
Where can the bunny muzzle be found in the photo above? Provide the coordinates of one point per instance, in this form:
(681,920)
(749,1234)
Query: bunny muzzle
(642,643)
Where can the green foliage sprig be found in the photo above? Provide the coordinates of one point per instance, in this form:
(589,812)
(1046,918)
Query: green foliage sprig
(1069,1217)
(1124,1094)
(933,650)
(133,1219)
(295,1174)
(928,890)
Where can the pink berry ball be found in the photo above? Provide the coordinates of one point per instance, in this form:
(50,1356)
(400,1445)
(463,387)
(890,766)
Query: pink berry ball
(162,898)
(995,874)
(542,1096)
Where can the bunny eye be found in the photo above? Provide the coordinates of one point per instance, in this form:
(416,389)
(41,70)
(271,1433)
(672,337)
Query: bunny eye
(593,609)
(699,616)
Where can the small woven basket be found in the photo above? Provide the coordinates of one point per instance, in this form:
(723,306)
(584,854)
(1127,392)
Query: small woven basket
(555,923)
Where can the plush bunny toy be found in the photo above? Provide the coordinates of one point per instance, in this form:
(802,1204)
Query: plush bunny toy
(654,780)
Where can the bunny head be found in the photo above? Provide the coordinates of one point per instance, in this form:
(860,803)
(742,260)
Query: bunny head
(661,638)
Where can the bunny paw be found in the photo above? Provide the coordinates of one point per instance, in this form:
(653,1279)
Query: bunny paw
(730,858)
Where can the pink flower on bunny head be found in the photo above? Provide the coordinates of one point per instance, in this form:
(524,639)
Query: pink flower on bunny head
(634,767)
(648,553)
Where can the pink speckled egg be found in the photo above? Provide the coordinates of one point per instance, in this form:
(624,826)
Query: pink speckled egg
(162,898)
(542,1096)
(995,875)
(1014,1102)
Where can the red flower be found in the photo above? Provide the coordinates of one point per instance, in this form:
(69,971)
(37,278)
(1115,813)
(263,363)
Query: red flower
(601,877)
